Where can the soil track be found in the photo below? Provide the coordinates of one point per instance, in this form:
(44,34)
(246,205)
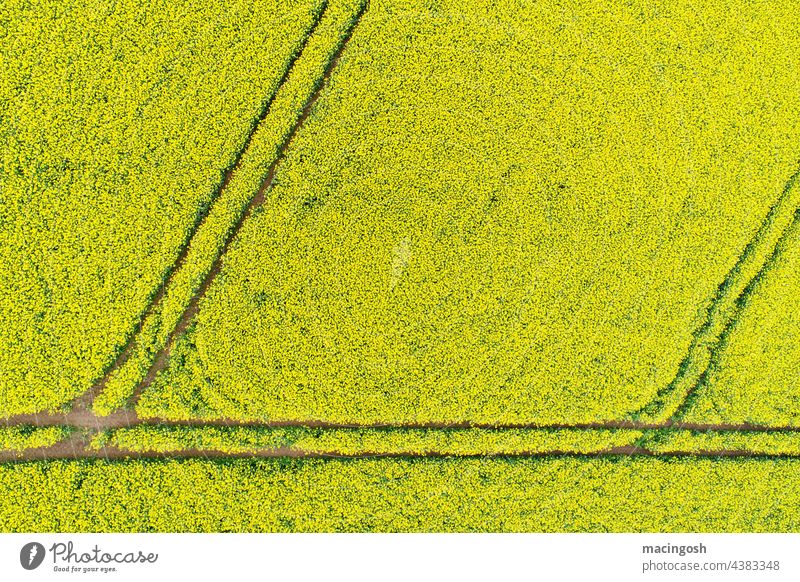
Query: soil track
(87,424)
(76,448)
(128,418)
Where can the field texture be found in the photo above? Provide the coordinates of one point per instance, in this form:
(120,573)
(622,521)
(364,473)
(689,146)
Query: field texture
(475,227)
(401,494)
(400,265)
(756,378)
(116,126)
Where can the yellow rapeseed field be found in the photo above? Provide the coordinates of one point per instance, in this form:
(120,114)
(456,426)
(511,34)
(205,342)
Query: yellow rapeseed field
(116,123)
(501,212)
(533,264)
(482,495)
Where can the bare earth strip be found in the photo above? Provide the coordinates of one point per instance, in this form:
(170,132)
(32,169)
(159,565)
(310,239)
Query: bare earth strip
(77,448)
(128,418)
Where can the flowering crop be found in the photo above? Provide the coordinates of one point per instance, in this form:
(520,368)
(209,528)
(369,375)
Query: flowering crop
(365,441)
(19,438)
(754,442)
(494,212)
(449,495)
(116,123)
(501,213)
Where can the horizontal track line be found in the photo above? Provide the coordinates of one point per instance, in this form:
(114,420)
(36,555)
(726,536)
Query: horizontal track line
(59,452)
(127,419)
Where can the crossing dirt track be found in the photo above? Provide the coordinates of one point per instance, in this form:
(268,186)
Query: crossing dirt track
(400,265)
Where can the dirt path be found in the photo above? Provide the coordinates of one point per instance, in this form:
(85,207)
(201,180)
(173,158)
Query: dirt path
(87,424)
(81,418)
(77,448)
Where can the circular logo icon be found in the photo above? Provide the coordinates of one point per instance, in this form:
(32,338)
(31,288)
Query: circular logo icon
(31,555)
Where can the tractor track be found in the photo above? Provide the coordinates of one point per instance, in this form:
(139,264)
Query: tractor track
(189,314)
(726,306)
(77,448)
(85,400)
(128,418)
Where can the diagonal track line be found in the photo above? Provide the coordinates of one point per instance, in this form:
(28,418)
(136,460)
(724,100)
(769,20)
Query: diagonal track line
(84,401)
(725,307)
(257,200)
(740,304)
